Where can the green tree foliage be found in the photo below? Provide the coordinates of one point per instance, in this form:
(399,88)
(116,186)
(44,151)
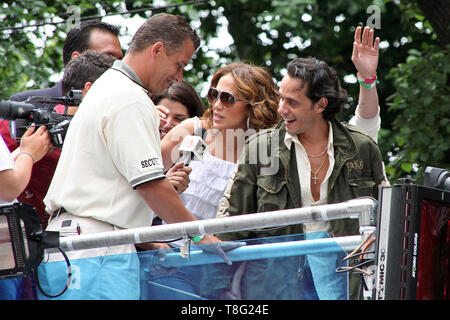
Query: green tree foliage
(421,130)
(420,133)
(29,56)
(413,67)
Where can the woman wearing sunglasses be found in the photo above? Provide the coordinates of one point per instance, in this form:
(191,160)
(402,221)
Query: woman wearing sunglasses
(243,99)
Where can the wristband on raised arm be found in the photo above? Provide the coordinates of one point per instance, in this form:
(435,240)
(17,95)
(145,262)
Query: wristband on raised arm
(368,83)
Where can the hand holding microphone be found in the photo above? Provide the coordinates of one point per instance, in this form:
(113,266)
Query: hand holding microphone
(178,175)
(191,148)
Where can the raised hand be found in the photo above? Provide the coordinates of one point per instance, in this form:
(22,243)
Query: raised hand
(365,52)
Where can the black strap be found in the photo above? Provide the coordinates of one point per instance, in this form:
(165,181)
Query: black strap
(129,77)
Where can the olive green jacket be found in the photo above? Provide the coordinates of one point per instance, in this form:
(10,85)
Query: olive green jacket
(266,178)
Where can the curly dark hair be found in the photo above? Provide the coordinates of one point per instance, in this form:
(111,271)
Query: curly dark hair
(322,82)
(256,86)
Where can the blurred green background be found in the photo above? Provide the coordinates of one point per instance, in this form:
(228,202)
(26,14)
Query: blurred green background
(413,69)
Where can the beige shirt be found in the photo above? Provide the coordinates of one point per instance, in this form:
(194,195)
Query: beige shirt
(111,147)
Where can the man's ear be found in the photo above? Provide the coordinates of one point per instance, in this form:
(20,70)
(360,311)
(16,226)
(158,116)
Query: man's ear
(157,48)
(75,54)
(322,103)
(86,88)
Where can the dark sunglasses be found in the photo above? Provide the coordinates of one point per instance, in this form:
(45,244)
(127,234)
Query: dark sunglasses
(227,98)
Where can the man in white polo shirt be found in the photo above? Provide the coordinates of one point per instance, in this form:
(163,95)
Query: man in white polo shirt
(110,174)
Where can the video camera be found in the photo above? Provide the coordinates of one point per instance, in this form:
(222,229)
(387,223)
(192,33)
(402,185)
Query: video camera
(22,240)
(34,111)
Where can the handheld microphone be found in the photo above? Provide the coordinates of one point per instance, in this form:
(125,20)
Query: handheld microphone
(193,148)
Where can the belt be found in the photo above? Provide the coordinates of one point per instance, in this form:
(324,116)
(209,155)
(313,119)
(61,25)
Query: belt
(58,212)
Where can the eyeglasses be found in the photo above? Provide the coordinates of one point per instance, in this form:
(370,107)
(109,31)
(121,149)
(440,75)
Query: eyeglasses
(227,98)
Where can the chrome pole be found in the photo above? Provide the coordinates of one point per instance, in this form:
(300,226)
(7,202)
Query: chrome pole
(362,208)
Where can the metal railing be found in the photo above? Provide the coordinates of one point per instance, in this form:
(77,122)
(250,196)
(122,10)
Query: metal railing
(362,209)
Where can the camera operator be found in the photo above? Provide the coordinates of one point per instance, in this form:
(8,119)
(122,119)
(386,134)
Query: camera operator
(93,35)
(81,72)
(110,174)
(15,173)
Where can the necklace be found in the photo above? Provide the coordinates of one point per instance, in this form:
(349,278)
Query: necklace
(318,155)
(316,172)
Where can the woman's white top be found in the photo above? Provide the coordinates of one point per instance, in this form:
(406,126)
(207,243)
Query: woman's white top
(208,181)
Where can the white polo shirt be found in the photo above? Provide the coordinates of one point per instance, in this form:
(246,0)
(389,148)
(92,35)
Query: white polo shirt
(111,147)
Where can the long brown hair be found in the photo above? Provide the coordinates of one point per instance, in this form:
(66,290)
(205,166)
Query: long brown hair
(183,93)
(256,86)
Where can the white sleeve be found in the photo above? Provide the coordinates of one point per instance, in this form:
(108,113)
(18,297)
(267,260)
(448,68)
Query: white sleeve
(132,137)
(6,160)
(371,126)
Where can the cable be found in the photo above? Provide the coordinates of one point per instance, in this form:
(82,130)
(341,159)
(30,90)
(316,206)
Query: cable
(168,241)
(40,24)
(362,248)
(366,246)
(362,244)
(356,267)
(69,278)
(190,295)
(360,255)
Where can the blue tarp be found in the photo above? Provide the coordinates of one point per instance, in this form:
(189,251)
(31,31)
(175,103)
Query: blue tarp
(266,268)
